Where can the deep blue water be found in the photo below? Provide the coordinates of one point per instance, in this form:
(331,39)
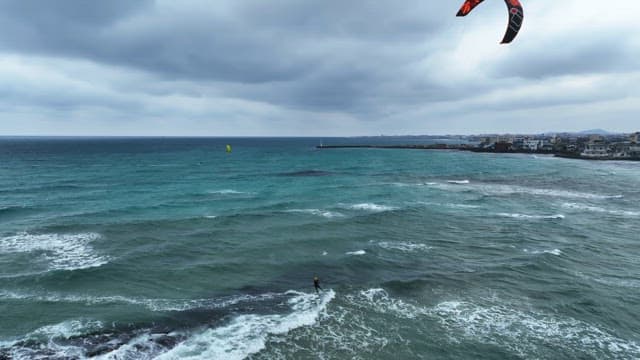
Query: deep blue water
(172,248)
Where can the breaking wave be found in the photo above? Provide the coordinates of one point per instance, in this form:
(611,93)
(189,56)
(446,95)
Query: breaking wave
(356,253)
(371,207)
(556,252)
(529,332)
(503,190)
(534,217)
(247,334)
(151,304)
(61,251)
(597,209)
(237,338)
(228,192)
(523,332)
(317,212)
(404,246)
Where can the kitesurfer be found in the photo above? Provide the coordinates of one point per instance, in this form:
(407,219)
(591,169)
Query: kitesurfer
(316,284)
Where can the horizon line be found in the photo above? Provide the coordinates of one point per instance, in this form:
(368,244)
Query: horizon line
(583,132)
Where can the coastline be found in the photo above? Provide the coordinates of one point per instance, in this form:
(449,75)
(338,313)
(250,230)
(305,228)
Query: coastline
(479,150)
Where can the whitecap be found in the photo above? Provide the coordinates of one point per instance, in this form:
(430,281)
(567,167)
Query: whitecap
(459,182)
(317,212)
(597,209)
(140,347)
(49,334)
(525,332)
(371,207)
(66,329)
(356,253)
(404,246)
(227,192)
(247,334)
(451,205)
(508,189)
(556,252)
(504,189)
(160,305)
(525,216)
(462,206)
(521,332)
(62,251)
(379,300)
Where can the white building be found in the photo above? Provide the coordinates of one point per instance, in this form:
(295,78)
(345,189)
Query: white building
(596,149)
(533,145)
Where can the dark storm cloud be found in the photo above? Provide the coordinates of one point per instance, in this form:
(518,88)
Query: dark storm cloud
(69,13)
(358,63)
(237,41)
(332,55)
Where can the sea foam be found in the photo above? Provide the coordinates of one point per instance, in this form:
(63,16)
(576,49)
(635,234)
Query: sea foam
(247,334)
(66,329)
(371,207)
(597,209)
(505,189)
(459,182)
(317,212)
(526,333)
(357,252)
(228,192)
(160,305)
(534,217)
(403,246)
(242,336)
(62,251)
(23,348)
(523,332)
(556,252)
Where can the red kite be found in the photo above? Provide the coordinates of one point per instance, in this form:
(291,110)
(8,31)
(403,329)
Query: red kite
(515,16)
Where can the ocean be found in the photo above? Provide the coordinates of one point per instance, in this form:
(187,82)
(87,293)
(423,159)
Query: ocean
(172,248)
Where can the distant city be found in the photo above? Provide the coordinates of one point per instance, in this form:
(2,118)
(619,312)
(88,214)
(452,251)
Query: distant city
(593,146)
(583,145)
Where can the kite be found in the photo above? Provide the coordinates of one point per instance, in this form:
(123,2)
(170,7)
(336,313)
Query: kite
(515,16)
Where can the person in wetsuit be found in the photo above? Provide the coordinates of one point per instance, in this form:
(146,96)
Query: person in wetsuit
(316,284)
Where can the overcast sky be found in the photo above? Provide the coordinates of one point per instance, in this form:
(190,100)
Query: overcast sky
(315,68)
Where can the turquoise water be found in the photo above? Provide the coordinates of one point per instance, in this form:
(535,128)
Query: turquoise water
(172,248)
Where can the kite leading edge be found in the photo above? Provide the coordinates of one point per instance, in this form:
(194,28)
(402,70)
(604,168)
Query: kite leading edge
(516,15)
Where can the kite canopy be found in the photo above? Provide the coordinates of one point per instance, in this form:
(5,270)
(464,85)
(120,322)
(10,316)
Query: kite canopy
(516,15)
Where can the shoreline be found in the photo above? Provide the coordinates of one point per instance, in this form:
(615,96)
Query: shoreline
(473,149)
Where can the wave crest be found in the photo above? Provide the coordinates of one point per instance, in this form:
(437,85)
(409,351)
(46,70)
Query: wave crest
(247,334)
(62,251)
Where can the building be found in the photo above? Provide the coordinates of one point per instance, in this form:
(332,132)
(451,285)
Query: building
(532,145)
(620,150)
(595,148)
(546,145)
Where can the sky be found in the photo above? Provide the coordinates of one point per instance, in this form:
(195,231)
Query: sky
(315,68)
